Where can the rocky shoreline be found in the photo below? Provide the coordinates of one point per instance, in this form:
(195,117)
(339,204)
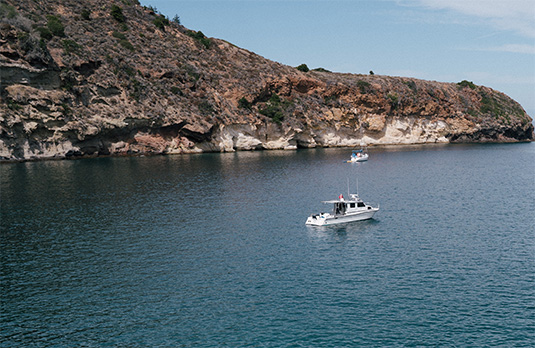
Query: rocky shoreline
(139,84)
(231,140)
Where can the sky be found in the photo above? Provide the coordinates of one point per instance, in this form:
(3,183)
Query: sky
(488,42)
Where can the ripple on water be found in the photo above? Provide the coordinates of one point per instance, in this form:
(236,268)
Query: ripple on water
(212,250)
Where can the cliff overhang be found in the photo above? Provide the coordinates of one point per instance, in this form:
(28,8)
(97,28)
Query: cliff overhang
(146,85)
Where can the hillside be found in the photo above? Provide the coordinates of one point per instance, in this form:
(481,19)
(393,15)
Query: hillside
(95,77)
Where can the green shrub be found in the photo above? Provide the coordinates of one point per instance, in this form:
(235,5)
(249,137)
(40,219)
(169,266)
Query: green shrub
(136,89)
(273,112)
(25,41)
(129,71)
(86,14)
(55,26)
(472,112)
(123,41)
(13,105)
(160,22)
(43,46)
(192,72)
(126,44)
(275,99)
(7,11)
(70,46)
(412,85)
(117,13)
(118,35)
(45,33)
(321,70)
(371,72)
(176,20)
(176,90)
(205,107)
(491,105)
(244,103)
(303,68)
(331,100)
(275,109)
(363,86)
(393,99)
(66,109)
(468,84)
(199,36)
(278,117)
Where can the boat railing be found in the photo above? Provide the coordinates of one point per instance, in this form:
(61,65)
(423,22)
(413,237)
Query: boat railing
(372,204)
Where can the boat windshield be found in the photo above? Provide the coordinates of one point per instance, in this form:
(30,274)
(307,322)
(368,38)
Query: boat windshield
(339,208)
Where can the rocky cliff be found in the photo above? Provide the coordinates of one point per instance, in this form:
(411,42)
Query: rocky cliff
(99,77)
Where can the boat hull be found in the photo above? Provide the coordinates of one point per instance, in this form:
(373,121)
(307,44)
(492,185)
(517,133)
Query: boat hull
(358,159)
(328,219)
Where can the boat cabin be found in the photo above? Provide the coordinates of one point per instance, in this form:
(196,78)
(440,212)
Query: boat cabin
(342,207)
(343,211)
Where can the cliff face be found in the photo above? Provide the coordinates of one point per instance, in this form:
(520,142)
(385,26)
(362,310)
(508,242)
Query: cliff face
(88,78)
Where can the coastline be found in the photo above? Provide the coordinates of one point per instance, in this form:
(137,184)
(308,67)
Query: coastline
(154,154)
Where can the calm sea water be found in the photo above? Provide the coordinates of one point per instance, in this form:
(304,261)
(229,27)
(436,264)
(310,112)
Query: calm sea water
(211,250)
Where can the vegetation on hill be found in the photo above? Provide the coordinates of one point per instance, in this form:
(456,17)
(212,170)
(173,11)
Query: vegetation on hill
(97,77)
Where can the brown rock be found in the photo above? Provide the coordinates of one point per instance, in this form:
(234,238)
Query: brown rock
(103,90)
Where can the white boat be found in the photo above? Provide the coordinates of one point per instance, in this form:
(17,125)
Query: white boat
(358,156)
(344,211)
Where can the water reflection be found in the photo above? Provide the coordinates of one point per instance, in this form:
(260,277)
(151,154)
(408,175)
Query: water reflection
(184,250)
(346,230)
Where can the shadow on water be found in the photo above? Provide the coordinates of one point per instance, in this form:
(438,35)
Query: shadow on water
(350,229)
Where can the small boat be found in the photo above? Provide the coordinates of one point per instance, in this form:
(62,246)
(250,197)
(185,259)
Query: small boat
(344,211)
(358,156)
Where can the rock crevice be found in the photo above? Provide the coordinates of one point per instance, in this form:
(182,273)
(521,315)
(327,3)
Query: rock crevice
(104,87)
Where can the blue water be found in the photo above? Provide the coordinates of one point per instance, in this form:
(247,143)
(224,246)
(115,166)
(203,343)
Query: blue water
(211,250)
